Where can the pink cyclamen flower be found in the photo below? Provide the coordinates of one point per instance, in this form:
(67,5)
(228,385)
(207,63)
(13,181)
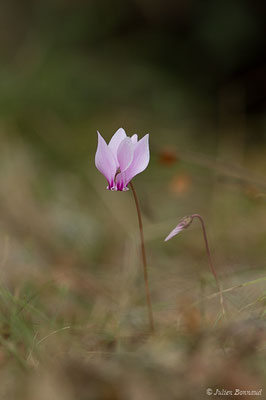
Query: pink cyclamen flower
(122,159)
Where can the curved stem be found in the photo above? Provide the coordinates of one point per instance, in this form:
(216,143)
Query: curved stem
(144,259)
(210,259)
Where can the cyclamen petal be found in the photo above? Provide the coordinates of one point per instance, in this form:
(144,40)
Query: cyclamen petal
(115,141)
(134,138)
(141,159)
(121,182)
(125,154)
(105,162)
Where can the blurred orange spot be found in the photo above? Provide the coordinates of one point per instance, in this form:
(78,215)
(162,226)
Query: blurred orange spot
(252,192)
(168,156)
(192,321)
(180,184)
(191,316)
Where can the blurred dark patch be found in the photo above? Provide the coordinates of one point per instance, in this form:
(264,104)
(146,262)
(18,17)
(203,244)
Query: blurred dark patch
(167,61)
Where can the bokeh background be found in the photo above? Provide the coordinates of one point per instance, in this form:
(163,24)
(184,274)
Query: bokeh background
(192,74)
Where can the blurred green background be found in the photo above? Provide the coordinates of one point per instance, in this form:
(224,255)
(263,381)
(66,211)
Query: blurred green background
(148,66)
(190,73)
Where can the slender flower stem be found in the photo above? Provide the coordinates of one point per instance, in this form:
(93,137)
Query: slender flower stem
(210,259)
(144,259)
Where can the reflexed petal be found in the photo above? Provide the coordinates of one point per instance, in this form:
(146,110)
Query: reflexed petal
(134,138)
(141,159)
(125,154)
(104,161)
(115,142)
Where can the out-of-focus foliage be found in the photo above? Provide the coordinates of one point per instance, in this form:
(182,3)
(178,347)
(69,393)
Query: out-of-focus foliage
(162,62)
